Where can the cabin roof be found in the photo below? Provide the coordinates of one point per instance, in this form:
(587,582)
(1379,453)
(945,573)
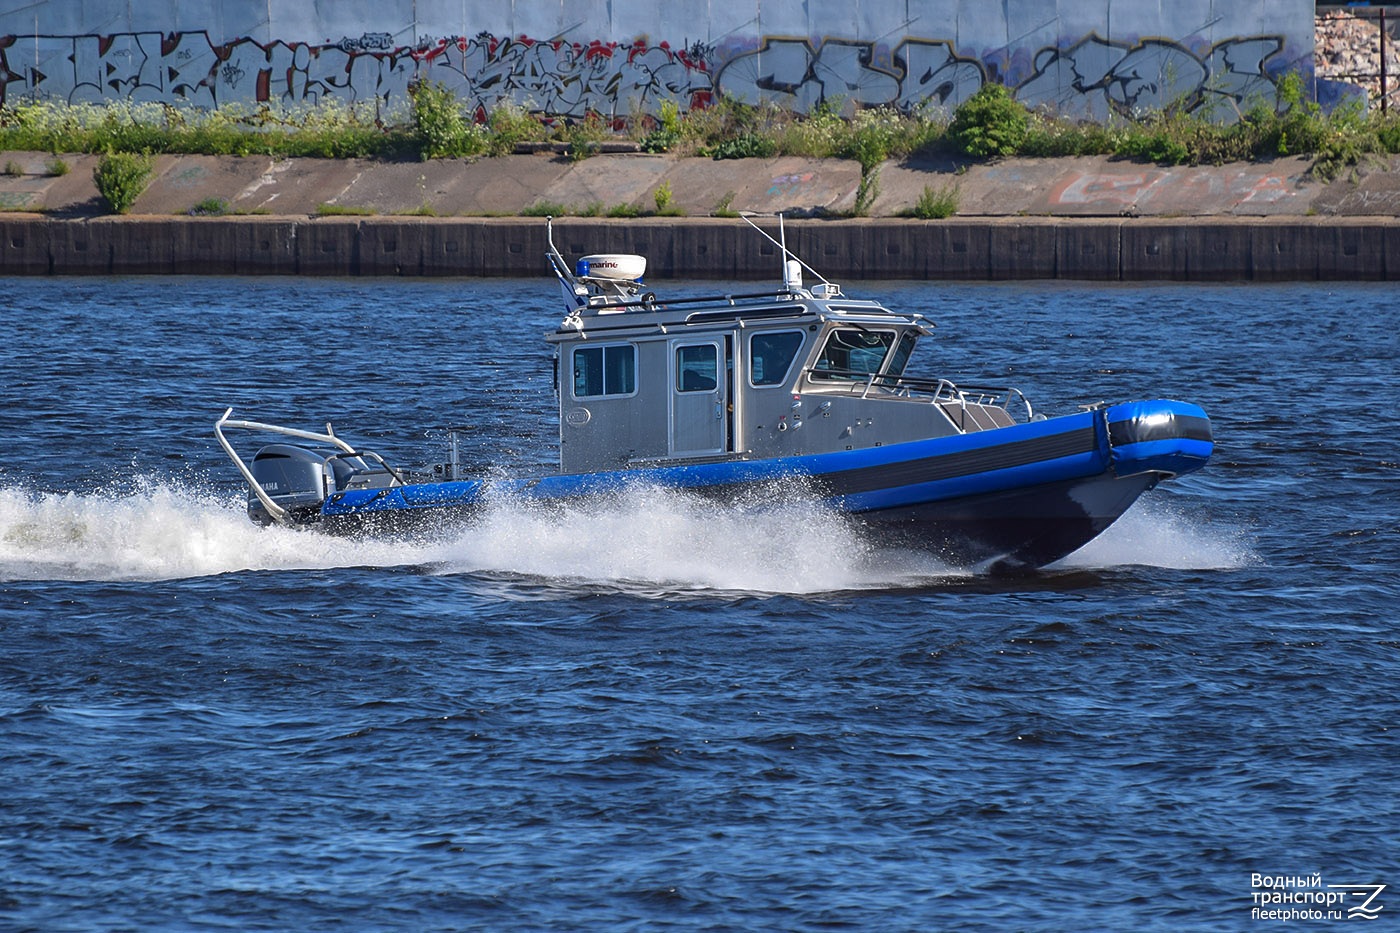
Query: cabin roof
(725,312)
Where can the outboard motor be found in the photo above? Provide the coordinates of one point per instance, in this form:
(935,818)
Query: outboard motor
(289,483)
(297,478)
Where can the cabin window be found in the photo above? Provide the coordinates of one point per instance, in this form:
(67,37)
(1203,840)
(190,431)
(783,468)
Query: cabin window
(902,352)
(697,368)
(602,371)
(853,353)
(771,356)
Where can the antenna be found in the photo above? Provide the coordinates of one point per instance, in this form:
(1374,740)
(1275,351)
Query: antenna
(782,244)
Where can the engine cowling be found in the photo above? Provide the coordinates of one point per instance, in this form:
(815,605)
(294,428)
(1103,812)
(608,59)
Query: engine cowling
(296,478)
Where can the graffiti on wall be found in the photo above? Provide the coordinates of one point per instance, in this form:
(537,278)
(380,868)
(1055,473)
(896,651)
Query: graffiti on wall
(1095,77)
(569,79)
(1088,78)
(798,76)
(550,77)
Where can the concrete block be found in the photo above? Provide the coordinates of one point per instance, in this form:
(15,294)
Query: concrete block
(1351,251)
(1391,256)
(80,247)
(266,246)
(1089,250)
(1283,250)
(702,249)
(390,248)
(1154,251)
(291,187)
(609,182)
(24,246)
(140,246)
(1021,250)
(831,248)
(328,246)
(452,248)
(958,250)
(232,246)
(1218,251)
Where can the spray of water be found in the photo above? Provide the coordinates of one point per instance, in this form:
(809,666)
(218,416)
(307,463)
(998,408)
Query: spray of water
(647,538)
(1153,533)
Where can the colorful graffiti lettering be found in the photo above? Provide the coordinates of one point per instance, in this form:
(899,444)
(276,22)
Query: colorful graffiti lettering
(1088,78)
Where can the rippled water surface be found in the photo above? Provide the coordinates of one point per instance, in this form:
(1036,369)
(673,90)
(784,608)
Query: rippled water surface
(650,715)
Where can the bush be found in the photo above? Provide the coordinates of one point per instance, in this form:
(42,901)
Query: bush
(872,137)
(210,207)
(1388,135)
(511,124)
(746,146)
(439,127)
(586,137)
(989,123)
(663,198)
(935,205)
(121,177)
(668,134)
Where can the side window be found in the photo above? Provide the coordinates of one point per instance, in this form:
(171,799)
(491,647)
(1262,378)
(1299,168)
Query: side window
(771,356)
(902,352)
(853,353)
(605,371)
(697,368)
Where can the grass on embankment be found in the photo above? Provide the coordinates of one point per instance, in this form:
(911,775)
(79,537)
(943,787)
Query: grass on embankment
(991,124)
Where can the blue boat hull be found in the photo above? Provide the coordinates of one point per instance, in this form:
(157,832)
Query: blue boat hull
(1019,496)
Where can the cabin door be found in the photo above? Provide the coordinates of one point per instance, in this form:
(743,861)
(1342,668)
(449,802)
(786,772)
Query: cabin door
(699,396)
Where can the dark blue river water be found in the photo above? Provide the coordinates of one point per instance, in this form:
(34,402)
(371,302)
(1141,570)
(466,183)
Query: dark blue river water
(656,716)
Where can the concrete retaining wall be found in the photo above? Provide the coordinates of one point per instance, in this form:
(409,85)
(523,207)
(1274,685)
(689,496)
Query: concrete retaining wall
(1266,249)
(567,58)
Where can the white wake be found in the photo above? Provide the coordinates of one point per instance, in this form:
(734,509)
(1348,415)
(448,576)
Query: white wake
(161,531)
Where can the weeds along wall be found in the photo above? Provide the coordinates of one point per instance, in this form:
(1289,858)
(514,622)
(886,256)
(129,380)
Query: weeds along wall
(1087,59)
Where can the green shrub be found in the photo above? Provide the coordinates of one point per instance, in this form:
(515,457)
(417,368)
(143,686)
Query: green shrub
(935,205)
(511,124)
(866,192)
(662,196)
(586,137)
(121,177)
(989,123)
(667,134)
(439,127)
(545,209)
(210,207)
(1388,135)
(872,136)
(746,146)
(57,166)
(1158,144)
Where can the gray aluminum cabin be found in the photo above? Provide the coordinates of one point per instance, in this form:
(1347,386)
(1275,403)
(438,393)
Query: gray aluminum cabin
(644,382)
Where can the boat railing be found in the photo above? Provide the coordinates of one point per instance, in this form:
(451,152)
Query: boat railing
(935,391)
(329,437)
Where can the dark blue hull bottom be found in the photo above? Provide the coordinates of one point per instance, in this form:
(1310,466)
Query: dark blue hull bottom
(1010,530)
(1016,497)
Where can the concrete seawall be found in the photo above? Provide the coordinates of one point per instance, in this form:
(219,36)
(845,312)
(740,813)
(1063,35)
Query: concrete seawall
(1075,218)
(1187,249)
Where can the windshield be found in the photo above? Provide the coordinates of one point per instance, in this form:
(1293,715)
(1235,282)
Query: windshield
(854,353)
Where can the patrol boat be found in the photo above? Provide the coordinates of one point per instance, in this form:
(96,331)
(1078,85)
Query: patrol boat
(744,400)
